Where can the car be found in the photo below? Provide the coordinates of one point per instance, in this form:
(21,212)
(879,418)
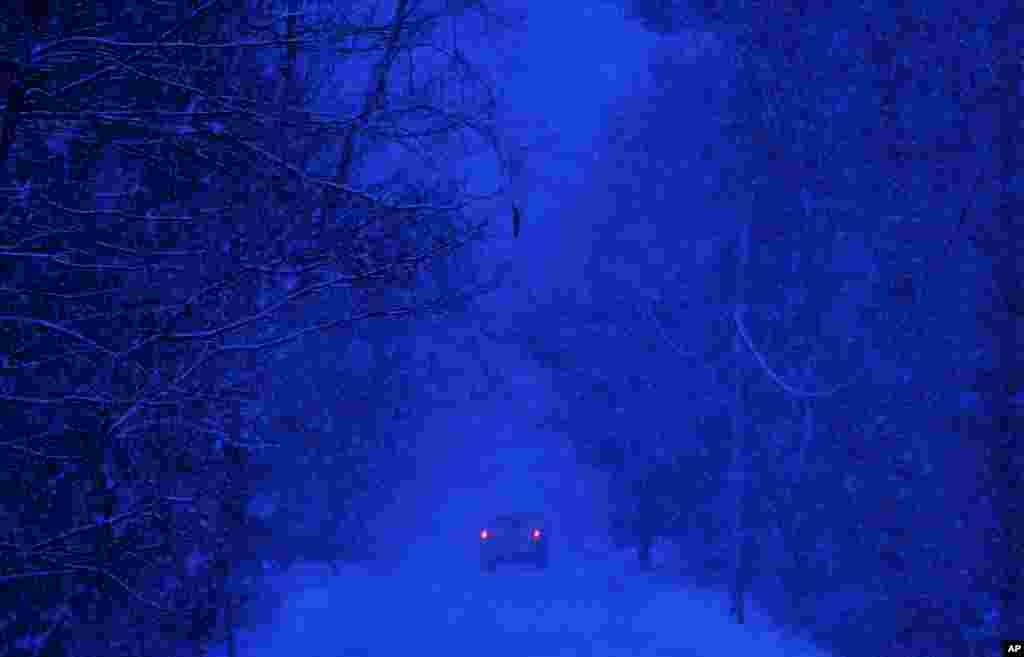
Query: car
(515,538)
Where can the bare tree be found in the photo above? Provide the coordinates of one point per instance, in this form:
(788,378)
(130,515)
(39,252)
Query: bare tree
(162,226)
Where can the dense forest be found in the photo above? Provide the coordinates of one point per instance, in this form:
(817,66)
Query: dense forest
(168,174)
(222,226)
(868,314)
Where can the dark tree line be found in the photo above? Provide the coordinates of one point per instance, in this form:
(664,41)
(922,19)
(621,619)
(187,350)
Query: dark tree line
(870,377)
(176,206)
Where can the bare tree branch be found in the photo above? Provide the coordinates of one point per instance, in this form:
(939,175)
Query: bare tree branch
(789,388)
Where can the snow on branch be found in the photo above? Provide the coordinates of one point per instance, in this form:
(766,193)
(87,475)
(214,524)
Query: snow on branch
(57,328)
(676,347)
(5,579)
(790,388)
(156,45)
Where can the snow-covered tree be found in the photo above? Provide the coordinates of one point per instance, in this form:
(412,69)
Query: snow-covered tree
(168,207)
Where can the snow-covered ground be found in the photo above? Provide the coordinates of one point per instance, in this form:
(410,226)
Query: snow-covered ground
(429,597)
(439,603)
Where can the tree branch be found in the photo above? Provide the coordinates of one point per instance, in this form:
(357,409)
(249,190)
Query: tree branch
(790,388)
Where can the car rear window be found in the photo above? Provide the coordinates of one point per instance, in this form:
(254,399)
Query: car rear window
(516,519)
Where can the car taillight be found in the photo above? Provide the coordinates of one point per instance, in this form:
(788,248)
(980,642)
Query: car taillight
(483,534)
(536,534)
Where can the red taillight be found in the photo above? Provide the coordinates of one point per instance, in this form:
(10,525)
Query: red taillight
(483,534)
(536,534)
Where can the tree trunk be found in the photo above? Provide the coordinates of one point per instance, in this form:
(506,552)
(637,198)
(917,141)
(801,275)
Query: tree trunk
(646,541)
(739,458)
(375,95)
(1004,384)
(233,510)
(14,84)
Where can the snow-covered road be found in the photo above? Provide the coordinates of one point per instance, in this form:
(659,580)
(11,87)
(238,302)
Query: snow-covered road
(440,604)
(428,595)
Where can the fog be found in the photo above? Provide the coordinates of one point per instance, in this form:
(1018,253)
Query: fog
(478,456)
